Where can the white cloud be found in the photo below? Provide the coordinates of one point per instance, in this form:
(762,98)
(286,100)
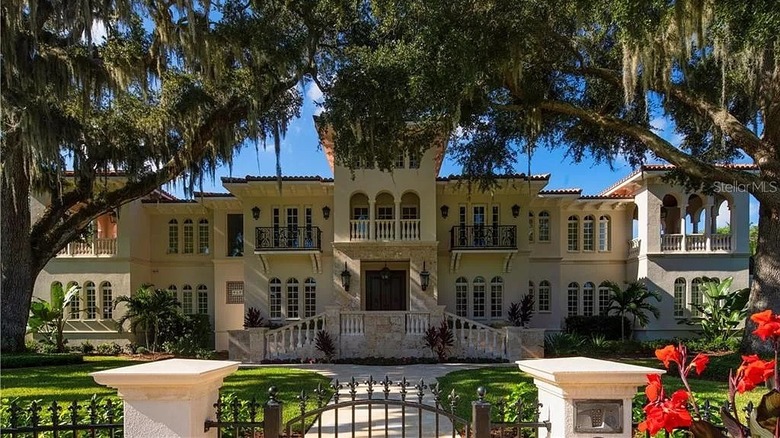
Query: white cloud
(314,93)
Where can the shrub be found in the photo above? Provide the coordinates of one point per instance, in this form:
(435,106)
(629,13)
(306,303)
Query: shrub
(440,340)
(143,350)
(86,347)
(563,344)
(520,314)
(325,345)
(722,311)
(253,318)
(527,394)
(186,334)
(108,349)
(27,360)
(130,348)
(587,326)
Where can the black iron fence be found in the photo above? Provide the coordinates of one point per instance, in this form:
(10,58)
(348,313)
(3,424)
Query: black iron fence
(384,408)
(94,419)
(483,237)
(289,238)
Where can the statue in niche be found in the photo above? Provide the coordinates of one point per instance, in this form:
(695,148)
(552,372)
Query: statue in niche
(238,246)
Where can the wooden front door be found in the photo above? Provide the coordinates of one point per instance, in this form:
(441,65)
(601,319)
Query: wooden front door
(387,294)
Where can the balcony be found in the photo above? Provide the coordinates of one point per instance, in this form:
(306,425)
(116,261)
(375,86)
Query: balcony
(289,240)
(299,239)
(482,237)
(696,243)
(384,229)
(98,247)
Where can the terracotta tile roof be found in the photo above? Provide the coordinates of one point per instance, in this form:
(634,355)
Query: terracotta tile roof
(668,167)
(540,177)
(250,178)
(575,191)
(168,201)
(606,197)
(214,195)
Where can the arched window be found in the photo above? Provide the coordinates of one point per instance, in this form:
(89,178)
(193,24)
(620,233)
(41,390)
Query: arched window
(478,292)
(605,294)
(203,299)
(75,303)
(293,300)
(497,298)
(532,292)
(203,236)
(275,298)
(186,299)
(544,226)
(573,299)
(309,298)
(573,233)
(588,298)
(588,233)
(462,297)
(695,296)
(189,237)
(604,233)
(531,226)
(173,236)
(107,297)
(90,292)
(679,297)
(173,291)
(544,296)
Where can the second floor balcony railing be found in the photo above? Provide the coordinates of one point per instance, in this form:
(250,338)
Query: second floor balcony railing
(695,242)
(288,239)
(99,246)
(483,237)
(384,229)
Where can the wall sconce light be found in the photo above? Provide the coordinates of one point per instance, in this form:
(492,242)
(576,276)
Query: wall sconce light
(256,212)
(384,274)
(425,278)
(112,216)
(445,211)
(326,212)
(345,277)
(515,210)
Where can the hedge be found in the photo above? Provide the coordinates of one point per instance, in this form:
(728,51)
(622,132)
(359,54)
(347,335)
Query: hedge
(8,361)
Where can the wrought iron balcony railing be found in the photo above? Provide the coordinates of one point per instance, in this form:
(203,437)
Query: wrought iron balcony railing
(483,237)
(288,238)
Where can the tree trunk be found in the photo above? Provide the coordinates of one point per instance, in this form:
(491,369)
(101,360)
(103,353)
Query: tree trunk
(19,268)
(765,292)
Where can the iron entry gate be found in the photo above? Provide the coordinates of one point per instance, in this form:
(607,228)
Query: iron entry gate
(399,403)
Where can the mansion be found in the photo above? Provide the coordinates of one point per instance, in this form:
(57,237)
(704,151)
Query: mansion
(410,244)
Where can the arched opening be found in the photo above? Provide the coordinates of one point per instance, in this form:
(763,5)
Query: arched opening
(694,215)
(410,216)
(670,215)
(359,217)
(384,225)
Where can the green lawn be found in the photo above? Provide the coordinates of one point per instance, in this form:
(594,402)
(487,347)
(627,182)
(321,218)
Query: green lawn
(73,382)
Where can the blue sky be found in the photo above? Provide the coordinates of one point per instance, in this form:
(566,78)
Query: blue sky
(300,155)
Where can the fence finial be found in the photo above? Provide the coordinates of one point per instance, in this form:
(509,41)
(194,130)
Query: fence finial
(481,394)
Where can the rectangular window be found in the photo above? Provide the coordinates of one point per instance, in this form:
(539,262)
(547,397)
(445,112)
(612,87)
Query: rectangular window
(91,301)
(588,300)
(276,217)
(108,301)
(679,298)
(478,215)
(235,292)
(414,160)
(544,297)
(409,212)
(462,299)
(292,301)
(292,228)
(496,300)
(235,235)
(173,236)
(604,233)
(479,300)
(399,161)
(572,303)
(384,213)
(544,226)
(308,238)
(531,226)
(186,300)
(360,213)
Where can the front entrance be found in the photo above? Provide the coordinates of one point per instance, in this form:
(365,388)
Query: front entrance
(389,294)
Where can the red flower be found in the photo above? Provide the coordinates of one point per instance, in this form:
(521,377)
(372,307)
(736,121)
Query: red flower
(753,372)
(700,363)
(767,324)
(667,414)
(654,390)
(670,353)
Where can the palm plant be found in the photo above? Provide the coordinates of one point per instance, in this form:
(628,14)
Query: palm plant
(146,310)
(634,301)
(721,312)
(48,317)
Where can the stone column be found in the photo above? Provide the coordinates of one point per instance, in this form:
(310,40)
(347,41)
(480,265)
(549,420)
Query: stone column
(708,222)
(371,219)
(397,215)
(683,231)
(170,398)
(585,398)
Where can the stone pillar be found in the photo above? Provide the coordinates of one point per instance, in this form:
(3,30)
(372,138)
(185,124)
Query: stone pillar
(586,398)
(397,216)
(371,219)
(683,230)
(708,222)
(170,398)
(524,343)
(333,325)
